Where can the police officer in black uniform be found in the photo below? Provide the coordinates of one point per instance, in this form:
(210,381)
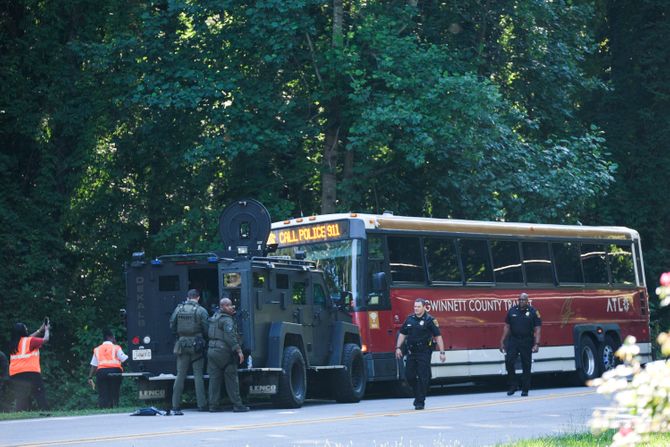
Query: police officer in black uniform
(419,330)
(521,337)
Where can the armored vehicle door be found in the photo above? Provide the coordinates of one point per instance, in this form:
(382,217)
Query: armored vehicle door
(322,319)
(153,291)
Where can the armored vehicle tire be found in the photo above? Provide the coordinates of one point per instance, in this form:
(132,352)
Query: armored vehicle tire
(350,382)
(587,354)
(292,387)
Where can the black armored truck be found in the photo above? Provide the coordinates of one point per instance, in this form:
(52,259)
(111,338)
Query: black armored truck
(297,335)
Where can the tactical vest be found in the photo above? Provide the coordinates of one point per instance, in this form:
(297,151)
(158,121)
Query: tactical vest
(187,320)
(216,331)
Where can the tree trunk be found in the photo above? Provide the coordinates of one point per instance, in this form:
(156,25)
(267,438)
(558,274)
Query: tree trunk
(331,144)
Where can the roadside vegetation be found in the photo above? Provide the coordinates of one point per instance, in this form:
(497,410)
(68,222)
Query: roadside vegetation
(585,440)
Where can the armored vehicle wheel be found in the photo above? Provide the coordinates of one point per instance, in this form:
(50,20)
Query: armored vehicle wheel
(292,387)
(350,382)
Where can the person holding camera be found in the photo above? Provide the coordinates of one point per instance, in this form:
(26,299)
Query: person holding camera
(24,365)
(189,321)
(106,365)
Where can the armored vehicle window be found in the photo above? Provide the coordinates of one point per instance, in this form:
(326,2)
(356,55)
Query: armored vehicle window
(405,259)
(476,262)
(442,259)
(567,262)
(594,260)
(506,262)
(232,280)
(621,264)
(260,279)
(319,295)
(282,281)
(168,283)
(537,262)
(299,293)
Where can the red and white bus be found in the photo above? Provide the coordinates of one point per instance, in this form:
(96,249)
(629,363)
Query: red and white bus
(586,281)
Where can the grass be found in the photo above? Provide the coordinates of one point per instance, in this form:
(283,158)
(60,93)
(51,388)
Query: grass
(585,440)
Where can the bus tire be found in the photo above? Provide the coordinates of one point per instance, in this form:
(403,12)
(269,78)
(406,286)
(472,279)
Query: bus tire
(588,365)
(607,359)
(292,387)
(350,382)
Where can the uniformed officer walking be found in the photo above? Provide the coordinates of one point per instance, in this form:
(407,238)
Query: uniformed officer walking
(521,337)
(223,356)
(189,321)
(419,330)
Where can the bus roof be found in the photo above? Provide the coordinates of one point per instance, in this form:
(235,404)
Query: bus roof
(435,225)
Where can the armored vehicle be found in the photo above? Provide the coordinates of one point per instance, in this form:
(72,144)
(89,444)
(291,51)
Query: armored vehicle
(297,334)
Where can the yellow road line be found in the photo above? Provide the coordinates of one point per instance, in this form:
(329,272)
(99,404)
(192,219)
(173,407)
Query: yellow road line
(356,416)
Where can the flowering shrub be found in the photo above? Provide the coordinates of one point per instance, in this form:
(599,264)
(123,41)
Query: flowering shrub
(642,395)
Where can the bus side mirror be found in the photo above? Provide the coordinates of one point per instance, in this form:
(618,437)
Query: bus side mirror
(379,283)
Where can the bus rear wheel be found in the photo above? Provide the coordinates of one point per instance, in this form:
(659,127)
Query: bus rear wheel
(351,381)
(607,357)
(588,365)
(292,388)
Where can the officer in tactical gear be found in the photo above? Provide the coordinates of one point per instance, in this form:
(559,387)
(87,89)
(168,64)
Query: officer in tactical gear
(223,356)
(189,321)
(419,330)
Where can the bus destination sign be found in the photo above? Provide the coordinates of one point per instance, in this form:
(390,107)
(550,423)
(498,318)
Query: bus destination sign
(312,233)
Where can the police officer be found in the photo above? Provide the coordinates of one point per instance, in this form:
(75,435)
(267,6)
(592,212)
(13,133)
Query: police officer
(521,337)
(223,356)
(419,330)
(189,321)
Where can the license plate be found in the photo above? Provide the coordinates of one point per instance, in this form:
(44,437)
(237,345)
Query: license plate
(141,354)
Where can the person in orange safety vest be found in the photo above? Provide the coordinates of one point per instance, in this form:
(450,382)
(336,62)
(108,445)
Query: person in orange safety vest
(106,365)
(24,366)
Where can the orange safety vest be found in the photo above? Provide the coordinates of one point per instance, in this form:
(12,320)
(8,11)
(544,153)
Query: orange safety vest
(24,360)
(107,356)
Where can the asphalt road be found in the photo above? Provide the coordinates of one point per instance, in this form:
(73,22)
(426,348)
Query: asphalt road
(453,417)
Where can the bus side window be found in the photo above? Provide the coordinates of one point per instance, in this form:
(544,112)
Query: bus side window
(537,262)
(568,263)
(405,259)
(506,262)
(621,264)
(476,262)
(594,260)
(442,260)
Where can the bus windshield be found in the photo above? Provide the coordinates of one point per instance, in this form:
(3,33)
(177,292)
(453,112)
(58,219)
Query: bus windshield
(337,259)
